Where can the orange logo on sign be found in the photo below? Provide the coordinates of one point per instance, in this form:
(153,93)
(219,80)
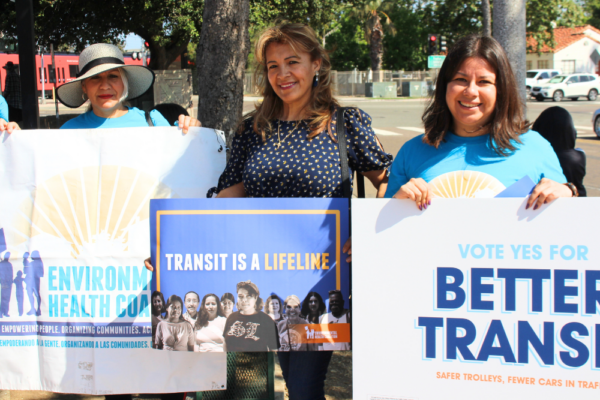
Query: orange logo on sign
(323,333)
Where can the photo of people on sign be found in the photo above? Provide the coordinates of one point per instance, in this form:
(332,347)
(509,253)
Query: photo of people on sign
(238,275)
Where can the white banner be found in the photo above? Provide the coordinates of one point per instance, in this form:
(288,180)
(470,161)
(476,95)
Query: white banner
(476,298)
(74,231)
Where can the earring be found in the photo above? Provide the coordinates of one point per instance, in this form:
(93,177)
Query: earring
(316,80)
(83,96)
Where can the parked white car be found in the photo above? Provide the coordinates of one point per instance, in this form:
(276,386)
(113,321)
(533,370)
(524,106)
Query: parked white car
(535,77)
(572,86)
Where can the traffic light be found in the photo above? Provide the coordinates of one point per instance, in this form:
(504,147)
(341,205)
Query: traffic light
(443,46)
(147,45)
(432,44)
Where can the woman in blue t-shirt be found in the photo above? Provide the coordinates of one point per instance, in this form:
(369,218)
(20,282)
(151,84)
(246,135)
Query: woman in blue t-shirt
(107,83)
(477,141)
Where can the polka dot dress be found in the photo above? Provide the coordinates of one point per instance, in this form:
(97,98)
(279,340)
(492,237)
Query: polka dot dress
(299,167)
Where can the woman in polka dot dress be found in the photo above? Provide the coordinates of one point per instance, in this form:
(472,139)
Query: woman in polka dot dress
(287,147)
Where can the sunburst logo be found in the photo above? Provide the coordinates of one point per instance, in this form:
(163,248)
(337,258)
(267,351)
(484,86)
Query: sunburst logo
(466,184)
(93,209)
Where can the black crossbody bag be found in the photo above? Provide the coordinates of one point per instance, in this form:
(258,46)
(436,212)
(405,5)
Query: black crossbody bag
(360,179)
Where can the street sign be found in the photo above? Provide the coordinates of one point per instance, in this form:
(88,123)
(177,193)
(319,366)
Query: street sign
(435,61)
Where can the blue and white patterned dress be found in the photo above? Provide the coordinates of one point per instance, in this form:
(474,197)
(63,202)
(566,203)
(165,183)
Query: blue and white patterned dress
(300,167)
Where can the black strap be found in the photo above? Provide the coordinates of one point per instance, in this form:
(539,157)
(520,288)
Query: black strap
(341,136)
(99,61)
(360,179)
(148,119)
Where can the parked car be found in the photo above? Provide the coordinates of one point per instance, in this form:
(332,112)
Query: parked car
(596,122)
(535,77)
(572,86)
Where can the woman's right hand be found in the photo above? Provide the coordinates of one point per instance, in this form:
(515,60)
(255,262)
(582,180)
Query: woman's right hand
(8,126)
(417,190)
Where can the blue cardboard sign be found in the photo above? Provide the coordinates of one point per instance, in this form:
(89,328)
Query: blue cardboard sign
(284,247)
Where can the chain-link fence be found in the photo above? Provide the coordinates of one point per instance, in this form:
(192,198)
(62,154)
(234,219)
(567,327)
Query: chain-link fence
(352,83)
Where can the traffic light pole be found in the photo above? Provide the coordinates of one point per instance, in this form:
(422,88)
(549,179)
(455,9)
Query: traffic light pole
(25,38)
(55,81)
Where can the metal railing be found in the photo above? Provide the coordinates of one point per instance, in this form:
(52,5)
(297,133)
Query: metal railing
(352,83)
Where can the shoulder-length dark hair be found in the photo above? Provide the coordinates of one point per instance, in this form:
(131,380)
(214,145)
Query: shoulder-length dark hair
(319,110)
(305,311)
(156,312)
(173,299)
(508,120)
(202,320)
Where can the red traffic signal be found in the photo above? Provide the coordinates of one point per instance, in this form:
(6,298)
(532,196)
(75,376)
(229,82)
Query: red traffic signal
(432,44)
(147,45)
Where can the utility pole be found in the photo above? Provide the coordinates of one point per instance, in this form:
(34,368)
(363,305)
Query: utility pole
(25,37)
(509,30)
(487,18)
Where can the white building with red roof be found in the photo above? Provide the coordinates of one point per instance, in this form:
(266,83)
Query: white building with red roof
(577,49)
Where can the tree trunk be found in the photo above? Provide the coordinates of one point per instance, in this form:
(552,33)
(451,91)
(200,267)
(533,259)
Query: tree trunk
(487,18)
(162,56)
(376,47)
(509,30)
(221,62)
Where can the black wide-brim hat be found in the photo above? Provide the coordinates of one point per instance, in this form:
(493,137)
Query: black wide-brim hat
(99,58)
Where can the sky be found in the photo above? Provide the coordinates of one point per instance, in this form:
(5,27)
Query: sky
(133,41)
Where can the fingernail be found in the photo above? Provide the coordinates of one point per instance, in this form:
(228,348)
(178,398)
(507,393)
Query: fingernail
(429,202)
(420,208)
(535,207)
(526,206)
(425,206)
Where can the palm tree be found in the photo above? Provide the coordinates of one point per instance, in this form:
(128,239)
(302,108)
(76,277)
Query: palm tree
(376,21)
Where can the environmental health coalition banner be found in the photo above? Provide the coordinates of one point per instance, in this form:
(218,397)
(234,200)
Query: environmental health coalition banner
(476,298)
(281,248)
(74,231)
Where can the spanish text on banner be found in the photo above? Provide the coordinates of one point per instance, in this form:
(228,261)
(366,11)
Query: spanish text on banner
(74,233)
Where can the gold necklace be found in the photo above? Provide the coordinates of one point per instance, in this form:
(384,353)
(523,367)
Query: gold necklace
(278,145)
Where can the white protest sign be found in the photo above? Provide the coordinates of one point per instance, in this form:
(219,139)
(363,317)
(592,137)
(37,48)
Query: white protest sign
(74,232)
(476,298)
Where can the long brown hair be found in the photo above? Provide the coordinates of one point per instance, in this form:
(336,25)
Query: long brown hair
(508,120)
(203,318)
(319,110)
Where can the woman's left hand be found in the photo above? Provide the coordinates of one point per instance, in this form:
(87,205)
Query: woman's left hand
(546,191)
(148,264)
(348,249)
(10,127)
(185,122)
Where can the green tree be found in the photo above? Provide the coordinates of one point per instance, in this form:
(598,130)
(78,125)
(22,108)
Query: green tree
(591,9)
(348,46)
(167,25)
(406,50)
(543,15)
(375,22)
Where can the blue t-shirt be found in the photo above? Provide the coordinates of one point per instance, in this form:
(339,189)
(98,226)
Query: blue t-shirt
(469,166)
(3,109)
(133,119)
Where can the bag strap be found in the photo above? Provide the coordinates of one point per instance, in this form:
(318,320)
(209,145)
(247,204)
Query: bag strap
(341,135)
(148,119)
